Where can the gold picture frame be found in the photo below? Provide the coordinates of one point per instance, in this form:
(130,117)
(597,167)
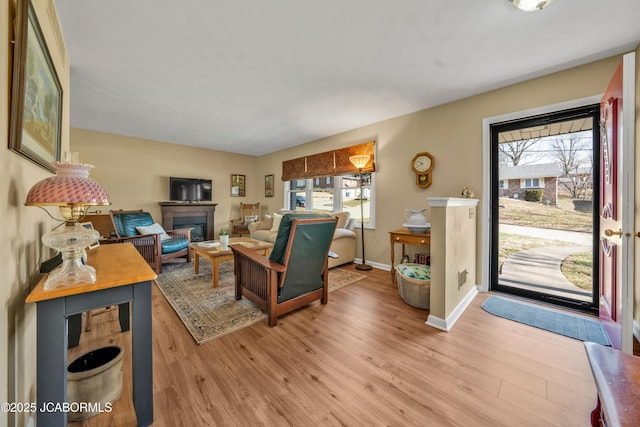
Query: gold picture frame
(36,94)
(268,186)
(237,185)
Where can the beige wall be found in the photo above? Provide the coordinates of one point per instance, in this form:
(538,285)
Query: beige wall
(135,172)
(453,252)
(20,249)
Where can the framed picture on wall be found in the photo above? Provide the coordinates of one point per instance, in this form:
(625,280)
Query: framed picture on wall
(268,186)
(36,94)
(237,185)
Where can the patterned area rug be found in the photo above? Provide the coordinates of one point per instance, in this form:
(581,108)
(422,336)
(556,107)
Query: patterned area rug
(210,313)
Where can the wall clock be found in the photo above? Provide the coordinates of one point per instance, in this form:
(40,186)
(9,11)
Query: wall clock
(422,165)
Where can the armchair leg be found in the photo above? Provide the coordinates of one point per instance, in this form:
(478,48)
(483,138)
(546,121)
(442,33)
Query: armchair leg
(273,320)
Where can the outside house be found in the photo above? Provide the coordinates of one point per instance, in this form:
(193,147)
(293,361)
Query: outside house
(580,179)
(515,180)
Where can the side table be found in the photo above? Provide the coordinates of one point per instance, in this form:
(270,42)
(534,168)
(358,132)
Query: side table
(617,377)
(405,237)
(122,276)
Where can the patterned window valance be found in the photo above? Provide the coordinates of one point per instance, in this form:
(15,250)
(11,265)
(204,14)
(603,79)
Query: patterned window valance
(329,163)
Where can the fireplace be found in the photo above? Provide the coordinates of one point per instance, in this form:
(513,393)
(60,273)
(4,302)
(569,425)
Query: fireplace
(198,224)
(199,216)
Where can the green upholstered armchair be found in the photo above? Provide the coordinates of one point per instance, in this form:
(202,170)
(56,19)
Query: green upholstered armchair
(155,246)
(296,272)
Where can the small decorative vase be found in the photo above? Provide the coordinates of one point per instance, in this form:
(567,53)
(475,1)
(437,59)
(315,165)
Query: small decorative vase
(224,240)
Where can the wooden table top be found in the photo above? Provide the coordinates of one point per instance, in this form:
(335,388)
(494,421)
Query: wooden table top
(117,264)
(617,377)
(405,231)
(217,250)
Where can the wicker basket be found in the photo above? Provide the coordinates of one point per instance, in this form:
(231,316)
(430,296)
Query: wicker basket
(414,284)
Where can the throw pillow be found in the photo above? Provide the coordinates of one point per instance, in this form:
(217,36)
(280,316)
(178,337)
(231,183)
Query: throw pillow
(276,222)
(153,229)
(343,219)
(266,223)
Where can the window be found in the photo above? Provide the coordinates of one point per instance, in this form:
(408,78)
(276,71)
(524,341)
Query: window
(333,194)
(503,183)
(531,183)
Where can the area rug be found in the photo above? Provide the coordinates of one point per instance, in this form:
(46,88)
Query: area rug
(210,313)
(560,322)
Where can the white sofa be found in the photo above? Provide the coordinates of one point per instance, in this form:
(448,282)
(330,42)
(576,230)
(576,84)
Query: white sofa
(344,238)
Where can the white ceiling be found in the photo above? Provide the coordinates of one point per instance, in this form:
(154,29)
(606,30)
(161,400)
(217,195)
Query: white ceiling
(257,76)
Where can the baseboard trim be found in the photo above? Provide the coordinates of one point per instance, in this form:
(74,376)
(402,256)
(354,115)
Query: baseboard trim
(377,265)
(447,324)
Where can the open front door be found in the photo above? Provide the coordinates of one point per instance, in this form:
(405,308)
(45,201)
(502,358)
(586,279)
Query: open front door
(616,205)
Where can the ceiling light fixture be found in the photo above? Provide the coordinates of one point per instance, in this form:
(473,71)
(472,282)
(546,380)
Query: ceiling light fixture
(530,5)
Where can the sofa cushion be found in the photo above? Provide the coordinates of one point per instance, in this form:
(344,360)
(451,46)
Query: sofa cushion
(343,232)
(174,245)
(343,219)
(276,222)
(265,235)
(154,228)
(266,223)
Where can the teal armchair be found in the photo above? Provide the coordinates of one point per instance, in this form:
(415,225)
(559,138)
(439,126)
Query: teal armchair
(296,272)
(156,246)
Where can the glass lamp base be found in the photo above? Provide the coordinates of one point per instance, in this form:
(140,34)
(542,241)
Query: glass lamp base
(71,272)
(71,241)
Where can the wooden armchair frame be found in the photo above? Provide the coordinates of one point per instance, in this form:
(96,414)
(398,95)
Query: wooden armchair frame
(150,245)
(275,287)
(239,225)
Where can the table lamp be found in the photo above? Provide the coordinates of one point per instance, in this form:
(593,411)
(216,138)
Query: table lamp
(360,161)
(73,192)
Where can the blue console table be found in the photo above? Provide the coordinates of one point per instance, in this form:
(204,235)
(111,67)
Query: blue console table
(122,276)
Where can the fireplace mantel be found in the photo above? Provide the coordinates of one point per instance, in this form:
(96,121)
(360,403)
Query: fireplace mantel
(181,211)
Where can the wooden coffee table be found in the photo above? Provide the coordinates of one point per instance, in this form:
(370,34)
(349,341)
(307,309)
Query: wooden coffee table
(218,253)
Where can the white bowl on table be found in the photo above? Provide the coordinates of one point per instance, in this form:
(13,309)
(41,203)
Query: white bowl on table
(418,229)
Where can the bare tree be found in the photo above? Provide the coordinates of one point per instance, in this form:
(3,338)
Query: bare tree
(519,152)
(577,169)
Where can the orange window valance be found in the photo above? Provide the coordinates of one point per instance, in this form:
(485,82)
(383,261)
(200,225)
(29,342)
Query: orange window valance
(329,163)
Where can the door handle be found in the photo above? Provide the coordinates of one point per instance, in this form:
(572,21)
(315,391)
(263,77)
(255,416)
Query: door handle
(608,232)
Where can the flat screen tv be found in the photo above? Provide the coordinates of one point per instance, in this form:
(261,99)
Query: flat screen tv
(189,190)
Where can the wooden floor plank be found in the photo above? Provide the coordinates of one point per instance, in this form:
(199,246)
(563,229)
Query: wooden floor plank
(365,358)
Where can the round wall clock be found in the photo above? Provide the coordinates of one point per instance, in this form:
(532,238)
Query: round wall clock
(422,165)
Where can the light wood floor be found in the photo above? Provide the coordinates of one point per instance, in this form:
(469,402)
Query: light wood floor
(364,359)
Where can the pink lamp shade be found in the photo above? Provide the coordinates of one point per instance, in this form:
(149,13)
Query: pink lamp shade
(70,186)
